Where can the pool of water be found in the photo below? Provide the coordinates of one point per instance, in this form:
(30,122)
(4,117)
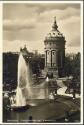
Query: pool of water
(43,111)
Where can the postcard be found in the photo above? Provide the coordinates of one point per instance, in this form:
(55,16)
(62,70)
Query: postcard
(42,62)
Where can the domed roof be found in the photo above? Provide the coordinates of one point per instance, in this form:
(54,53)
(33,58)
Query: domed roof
(54,33)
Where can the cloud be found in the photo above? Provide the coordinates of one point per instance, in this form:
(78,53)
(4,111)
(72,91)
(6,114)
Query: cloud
(71,29)
(18,24)
(30,23)
(40,8)
(72,50)
(18,11)
(15,45)
(69,12)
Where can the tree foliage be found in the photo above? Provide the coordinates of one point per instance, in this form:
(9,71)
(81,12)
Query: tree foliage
(72,65)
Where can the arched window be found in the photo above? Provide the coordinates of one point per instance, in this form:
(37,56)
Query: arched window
(53,53)
(48,52)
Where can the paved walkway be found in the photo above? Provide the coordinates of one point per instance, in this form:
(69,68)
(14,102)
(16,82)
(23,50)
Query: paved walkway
(62,90)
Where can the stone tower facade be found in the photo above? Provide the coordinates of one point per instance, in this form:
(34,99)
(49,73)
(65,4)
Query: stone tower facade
(54,52)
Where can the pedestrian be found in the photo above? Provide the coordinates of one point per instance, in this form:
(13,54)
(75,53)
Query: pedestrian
(30,119)
(74,93)
(66,116)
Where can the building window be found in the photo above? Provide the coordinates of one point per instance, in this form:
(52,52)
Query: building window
(53,53)
(48,53)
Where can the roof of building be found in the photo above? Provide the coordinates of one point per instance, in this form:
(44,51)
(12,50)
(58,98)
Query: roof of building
(54,33)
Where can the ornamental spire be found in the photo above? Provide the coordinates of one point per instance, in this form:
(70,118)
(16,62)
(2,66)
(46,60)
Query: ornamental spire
(54,26)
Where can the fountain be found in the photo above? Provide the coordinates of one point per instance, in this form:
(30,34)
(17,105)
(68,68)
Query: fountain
(22,91)
(24,78)
(26,91)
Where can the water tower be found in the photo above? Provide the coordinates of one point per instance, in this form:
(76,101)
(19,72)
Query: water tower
(54,52)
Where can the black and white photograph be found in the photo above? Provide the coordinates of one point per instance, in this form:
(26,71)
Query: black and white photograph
(42,62)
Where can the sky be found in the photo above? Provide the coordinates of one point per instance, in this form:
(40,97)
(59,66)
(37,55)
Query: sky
(29,23)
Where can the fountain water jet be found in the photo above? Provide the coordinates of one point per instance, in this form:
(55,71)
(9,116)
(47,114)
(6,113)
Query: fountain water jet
(26,92)
(23,91)
(24,78)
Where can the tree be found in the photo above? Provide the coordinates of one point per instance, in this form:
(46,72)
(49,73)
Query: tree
(72,65)
(68,66)
(76,66)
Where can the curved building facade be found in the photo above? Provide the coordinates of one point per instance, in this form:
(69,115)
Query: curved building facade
(54,51)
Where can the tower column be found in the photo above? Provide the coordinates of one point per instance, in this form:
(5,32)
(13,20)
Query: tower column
(50,58)
(45,58)
(56,58)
